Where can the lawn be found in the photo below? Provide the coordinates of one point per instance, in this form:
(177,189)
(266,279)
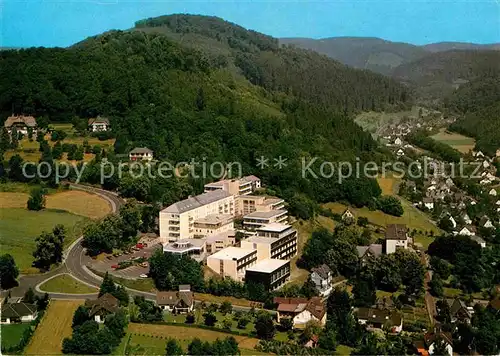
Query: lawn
(65,283)
(73,201)
(412,217)
(459,142)
(12,334)
(19,227)
(54,327)
(185,334)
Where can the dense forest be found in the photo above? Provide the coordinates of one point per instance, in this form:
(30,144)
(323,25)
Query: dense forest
(479,104)
(235,98)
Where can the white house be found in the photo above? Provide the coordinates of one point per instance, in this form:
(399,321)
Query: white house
(98,124)
(432,337)
(467,219)
(493,192)
(301,310)
(479,240)
(103,306)
(400,153)
(18,312)
(468,230)
(396,237)
(141,154)
(177,302)
(428,203)
(398,141)
(486,164)
(347,215)
(322,277)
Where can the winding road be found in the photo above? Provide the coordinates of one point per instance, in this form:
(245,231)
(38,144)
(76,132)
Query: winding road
(73,261)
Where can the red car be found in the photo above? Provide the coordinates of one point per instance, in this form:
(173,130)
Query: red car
(139,245)
(114,266)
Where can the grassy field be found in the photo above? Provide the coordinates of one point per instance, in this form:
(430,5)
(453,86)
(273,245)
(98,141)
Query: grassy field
(185,334)
(19,227)
(72,201)
(66,284)
(54,327)
(12,334)
(459,142)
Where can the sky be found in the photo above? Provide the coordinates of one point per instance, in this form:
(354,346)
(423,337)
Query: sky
(25,23)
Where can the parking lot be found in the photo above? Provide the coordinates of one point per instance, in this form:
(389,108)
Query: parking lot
(142,251)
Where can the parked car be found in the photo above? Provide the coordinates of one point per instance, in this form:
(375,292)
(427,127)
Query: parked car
(144,264)
(114,266)
(109,257)
(143,275)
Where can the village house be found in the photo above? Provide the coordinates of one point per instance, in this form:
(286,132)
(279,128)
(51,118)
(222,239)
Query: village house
(468,230)
(322,277)
(479,240)
(493,192)
(376,318)
(103,306)
(141,154)
(398,141)
(178,302)
(365,253)
(447,215)
(22,124)
(347,216)
(427,346)
(428,203)
(18,313)
(459,312)
(486,222)
(400,153)
(98,124)
(396,237)
(467,220)
(301,310)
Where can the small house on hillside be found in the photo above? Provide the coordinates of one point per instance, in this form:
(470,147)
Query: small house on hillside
(375,318)
(141,154)
(396,237)
(21,123)
(322,277)
(459,312)
(98,124)
(347,215)
(485,222)
(301,310)
(178,302)
(103,306)
(18,313)
(365,253)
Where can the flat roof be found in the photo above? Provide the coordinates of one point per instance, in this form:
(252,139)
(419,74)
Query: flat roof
(268,265)
(184,245)
(230,253)
(261,239)
(274,227)
(265,214)
(221,235)
(214,218)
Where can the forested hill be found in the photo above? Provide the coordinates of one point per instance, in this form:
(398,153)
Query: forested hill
(375,54)
(438,74)
(479,104)
(235,98)
(260,58)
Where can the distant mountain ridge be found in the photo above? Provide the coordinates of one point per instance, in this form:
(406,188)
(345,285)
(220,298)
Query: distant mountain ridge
(376,54)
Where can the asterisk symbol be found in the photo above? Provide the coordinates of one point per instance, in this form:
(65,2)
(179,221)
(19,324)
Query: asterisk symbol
(262,162)
(280,162)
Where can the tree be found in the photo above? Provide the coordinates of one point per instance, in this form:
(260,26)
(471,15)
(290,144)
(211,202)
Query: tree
(446,224)
(436,286)
(36,200)
(173,348)
(328,338)
(29,296)
(440,348)
(391,205)
(264,326)
(242,323)
(81,316)
(117,323)
(42,302)
(57,151)
(364,291)
(286,324)
(210,319)
(190,319)
(8,271)
(49,247)
(363,221)
(107,285)
(226,308)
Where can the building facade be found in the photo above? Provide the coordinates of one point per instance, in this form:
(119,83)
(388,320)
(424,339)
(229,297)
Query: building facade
(232,262)
(271,273)
(178,220)
(258,219)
